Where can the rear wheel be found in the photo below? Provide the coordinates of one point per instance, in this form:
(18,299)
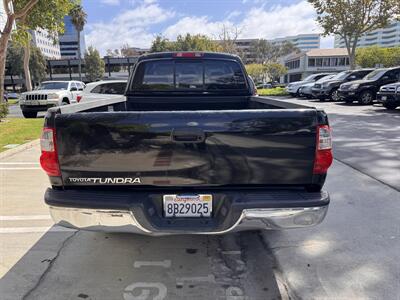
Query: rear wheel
(390,105)
(366,98)
(29,114)
(334,96)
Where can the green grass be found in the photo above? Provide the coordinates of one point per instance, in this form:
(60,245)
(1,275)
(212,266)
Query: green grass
(278,91)
(19,131)
(12,101)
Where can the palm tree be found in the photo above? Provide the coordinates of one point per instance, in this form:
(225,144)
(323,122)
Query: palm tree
(78,19)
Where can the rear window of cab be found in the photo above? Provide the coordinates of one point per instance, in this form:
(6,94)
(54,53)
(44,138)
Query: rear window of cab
(189,75)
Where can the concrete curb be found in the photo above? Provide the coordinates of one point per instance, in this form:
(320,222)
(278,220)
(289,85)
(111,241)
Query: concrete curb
(286,291)
(18,149)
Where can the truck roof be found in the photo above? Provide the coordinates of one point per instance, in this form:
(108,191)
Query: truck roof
(188,54)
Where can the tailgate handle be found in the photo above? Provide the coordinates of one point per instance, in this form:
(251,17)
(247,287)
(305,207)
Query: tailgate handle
(186,135)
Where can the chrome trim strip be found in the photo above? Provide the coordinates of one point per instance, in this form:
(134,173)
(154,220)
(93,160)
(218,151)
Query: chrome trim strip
(124,221)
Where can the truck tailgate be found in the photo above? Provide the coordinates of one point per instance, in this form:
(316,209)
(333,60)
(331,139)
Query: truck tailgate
(187,148)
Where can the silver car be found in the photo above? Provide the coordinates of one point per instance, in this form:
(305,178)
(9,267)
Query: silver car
(104,89)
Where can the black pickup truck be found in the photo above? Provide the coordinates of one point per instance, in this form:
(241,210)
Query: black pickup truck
(190,151)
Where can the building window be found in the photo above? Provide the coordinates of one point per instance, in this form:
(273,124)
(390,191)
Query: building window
(294,64)
(311,62)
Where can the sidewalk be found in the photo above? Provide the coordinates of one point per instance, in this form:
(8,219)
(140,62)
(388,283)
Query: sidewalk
(354,253)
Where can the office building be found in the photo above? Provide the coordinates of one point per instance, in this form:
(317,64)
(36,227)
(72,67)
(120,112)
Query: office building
(69,40)
(48,44)
(383,37)
(3,17)
(303,42)
(305,63)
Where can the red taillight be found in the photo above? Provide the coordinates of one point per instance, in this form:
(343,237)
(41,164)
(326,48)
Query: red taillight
(188,54)
(78,98)
(323,155)
(49,159)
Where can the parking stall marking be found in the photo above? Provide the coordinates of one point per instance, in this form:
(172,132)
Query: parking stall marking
(23,218)
(19,163)
(20,168)
(165,264)
(12,230)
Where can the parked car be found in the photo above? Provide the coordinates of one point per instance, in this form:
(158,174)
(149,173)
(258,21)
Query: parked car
(329,88)
(306,89)
(364,91)
(190,151)
(293,87)
(265,86)
(49,94)
(104,89)
(12,95)
(389,95)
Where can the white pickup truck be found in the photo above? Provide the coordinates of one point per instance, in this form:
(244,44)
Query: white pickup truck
(49,94)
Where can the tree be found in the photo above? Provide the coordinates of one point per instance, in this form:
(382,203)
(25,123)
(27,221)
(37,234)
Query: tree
(227,39)
(369,57)
(37,62)
(266,52)
(128,51)
(373,56)
(161,44)
(78,19)
(350,19)
(392,57)
(15,54)
(188,42)
(94,65)
(13,14)
(47,15)
(256,71)
(275,71)
(37,65)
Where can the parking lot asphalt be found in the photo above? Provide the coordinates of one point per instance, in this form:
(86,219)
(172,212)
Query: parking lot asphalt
(351,255)
(43,261)
(365,137)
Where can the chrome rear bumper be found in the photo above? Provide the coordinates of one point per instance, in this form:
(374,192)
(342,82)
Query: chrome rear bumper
(124,221)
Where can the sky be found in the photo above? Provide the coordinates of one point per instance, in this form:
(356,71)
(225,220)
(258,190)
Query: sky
(113,23)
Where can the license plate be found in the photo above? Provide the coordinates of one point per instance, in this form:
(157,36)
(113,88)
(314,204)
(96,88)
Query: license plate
(384,98)
(33,102)
(192,206)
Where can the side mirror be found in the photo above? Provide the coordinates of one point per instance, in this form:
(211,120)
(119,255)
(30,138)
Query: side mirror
(73,89)
(385,77)
(352,77)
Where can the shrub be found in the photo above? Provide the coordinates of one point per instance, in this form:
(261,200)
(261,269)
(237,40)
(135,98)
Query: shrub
(278,91)
(3,110)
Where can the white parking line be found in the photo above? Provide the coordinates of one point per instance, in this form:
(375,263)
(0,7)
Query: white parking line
(27,217)
(32,168)
(165,263)
(35,229)
(19,163)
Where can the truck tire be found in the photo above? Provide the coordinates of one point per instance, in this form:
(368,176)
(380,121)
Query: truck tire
(65,101)
(29,114)
(390,106)
(366,98)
